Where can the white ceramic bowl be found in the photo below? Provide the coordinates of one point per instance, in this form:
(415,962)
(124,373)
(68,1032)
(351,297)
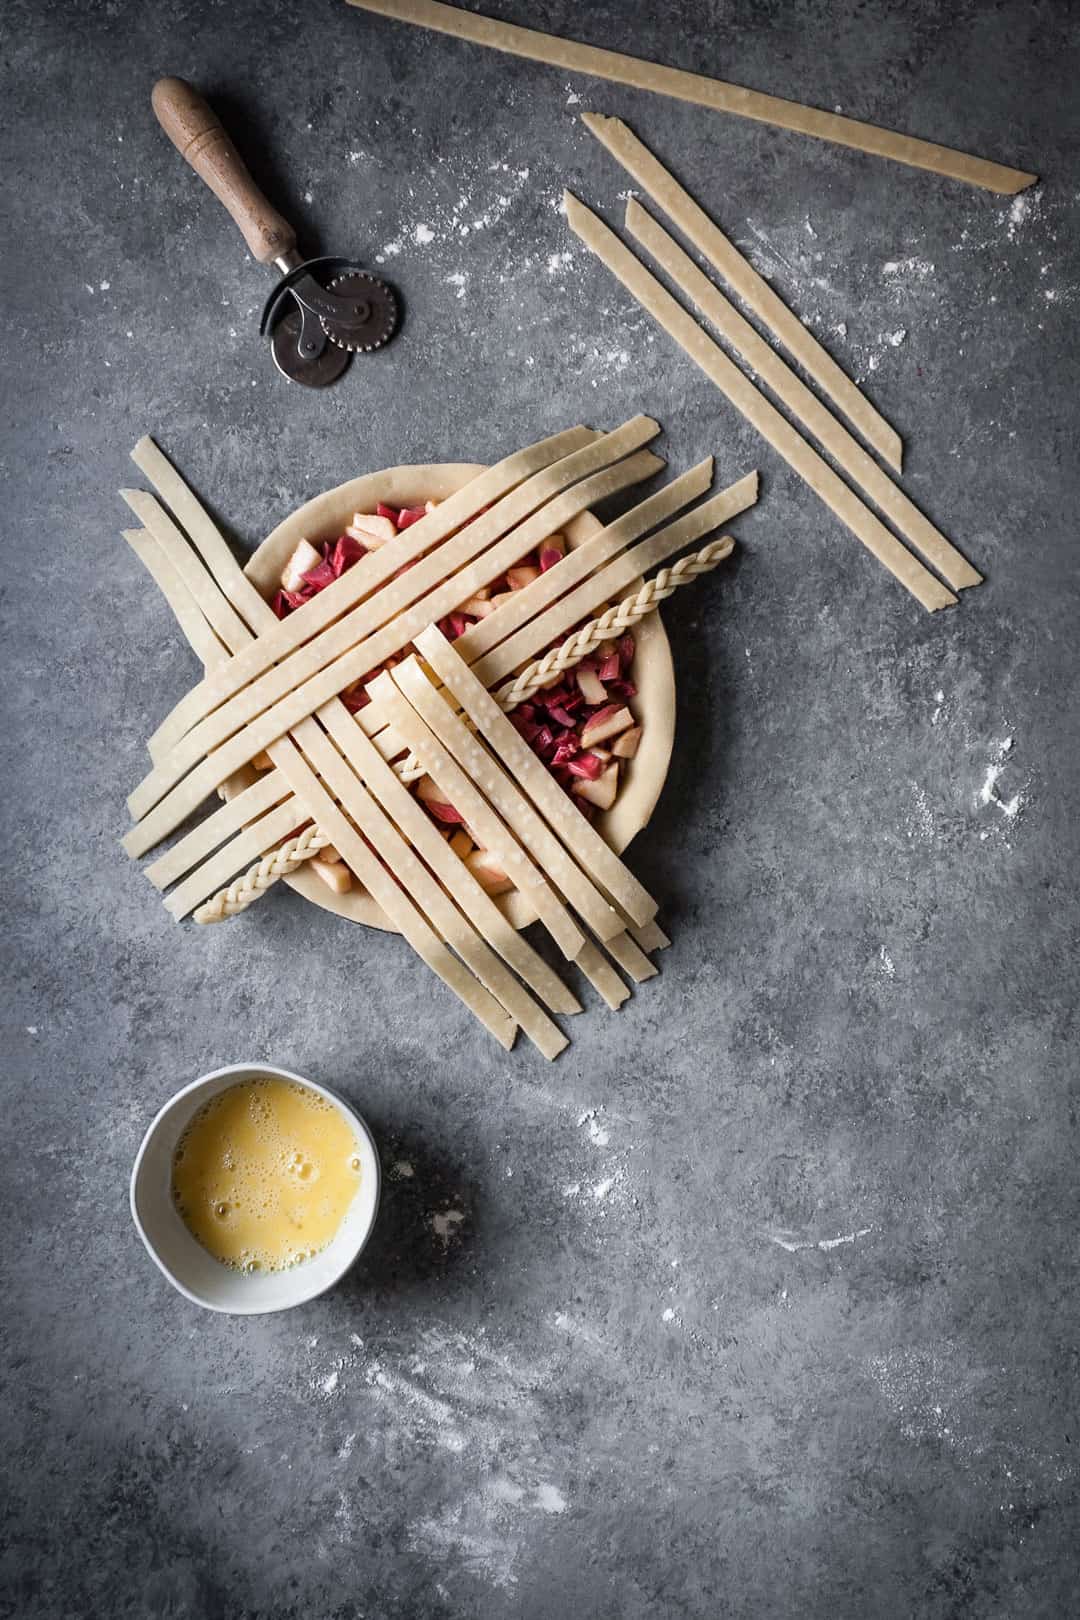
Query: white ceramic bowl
(188,1266)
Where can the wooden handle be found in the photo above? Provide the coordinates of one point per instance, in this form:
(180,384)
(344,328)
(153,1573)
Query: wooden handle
(199,136)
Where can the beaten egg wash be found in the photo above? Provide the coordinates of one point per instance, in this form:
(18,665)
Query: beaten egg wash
(264,1174)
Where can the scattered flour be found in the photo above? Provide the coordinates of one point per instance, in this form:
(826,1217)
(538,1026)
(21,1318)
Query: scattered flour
(886,964)
(896,338)
(989,793)
(794,1245)
(445,1224)
(402,1170)
(916,269)
(598,1136)
(459,280)
(558,262)
(423,234)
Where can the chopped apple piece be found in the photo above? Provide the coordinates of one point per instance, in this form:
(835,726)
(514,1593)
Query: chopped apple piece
(461,843)
(524,574)
(478,607)
(262,761)
(589,684)
(335,874)
(499,598)
(487,872)
(371,531)
(330,855)
(601,792)
(626,746)
(303,559)
(608,722)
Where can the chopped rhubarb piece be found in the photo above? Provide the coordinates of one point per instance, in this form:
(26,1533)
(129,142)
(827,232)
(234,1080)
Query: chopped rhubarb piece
(621,689)
(529,729)
(487,872)
(626,650)
(552,550)
(601,792)
(610,669)
(566,750)
(589,683)
(517,578)
(280,605)
(410,515)
(626,746)
(589,766)
(391,512)
(444,812)
(297,599)
(527,711)
(458,625)
(606,722)
(544,741)
(556,694)
(371,530)
(304,557)
(560,715)
(344,552)
(355,700)
(320,576)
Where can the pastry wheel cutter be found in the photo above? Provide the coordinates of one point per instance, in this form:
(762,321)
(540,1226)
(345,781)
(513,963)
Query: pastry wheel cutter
(322,311)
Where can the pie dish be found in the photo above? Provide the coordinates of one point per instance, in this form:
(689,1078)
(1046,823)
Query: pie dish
(327,515)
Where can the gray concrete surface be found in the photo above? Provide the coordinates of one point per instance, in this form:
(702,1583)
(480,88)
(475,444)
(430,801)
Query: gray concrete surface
(762,1301)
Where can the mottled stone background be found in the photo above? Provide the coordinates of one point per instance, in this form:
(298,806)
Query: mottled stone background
(762,1300)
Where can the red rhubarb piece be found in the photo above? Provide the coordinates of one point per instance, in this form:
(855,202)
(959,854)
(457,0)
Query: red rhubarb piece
(387,511)
(409,515)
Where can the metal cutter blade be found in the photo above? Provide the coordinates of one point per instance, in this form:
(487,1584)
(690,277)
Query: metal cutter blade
(318,321)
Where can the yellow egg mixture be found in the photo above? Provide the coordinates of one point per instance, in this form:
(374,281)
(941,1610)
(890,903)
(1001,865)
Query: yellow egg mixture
(264,1174)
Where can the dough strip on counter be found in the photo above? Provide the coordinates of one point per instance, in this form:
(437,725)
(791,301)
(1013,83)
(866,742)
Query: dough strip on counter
(775,372)
(183,606)
(574,57)
(753,289)
(742,393)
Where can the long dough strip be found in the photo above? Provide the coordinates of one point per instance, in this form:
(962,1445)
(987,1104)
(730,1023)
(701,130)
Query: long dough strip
(224,864)
(742,393)
(528,637)
(741,276)
(573,57)
(651,937)
(602,976)
(417,881)
(183,606)
(485,824)
(404,915)
(616,576)
(371,572)
(223,617)
(632,960)
(859,465)
(557,807)
(509,802)
(227,757)
(262,795)
(450,870)
(203,532)
(384,623)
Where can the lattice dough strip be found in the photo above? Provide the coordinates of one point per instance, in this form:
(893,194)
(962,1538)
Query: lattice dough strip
(338,658)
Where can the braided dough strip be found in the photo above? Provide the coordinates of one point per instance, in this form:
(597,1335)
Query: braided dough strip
(617,576)
(859,465)
(658,302)
(741,276)
(309,679)
(183,606)
(574,57)
(260,878)
(369,574)
(557,807)
(508,802)
(255,839)
(487,828)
